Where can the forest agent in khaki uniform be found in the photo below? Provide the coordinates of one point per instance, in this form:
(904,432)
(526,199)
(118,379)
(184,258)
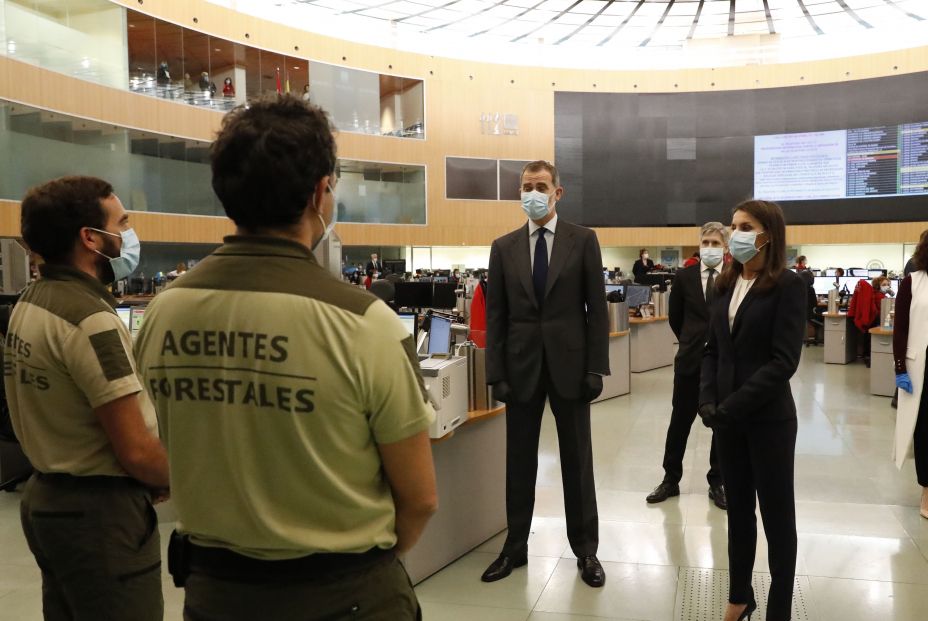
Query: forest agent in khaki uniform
(78,408)
(290,403)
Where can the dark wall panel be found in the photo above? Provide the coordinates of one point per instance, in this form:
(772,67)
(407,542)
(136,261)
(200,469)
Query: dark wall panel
(626,159)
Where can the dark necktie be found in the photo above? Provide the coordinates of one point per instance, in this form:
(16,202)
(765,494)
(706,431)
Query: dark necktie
(710,288)
(540,267)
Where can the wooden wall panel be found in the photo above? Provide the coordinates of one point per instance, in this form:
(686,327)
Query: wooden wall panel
(456,93)
(151,227)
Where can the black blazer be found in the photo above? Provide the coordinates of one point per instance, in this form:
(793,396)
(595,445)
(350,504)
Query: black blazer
(572,327)
(639,269)
(747,369)
(689,319)
(374,267)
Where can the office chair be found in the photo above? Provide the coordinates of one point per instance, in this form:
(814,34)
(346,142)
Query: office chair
(817,321)
(383,289)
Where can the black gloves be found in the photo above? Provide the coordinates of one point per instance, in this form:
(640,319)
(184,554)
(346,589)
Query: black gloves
(501,391)
(592,387)
(714,417)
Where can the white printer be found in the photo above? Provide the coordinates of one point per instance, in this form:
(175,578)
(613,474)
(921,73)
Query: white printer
(446,382)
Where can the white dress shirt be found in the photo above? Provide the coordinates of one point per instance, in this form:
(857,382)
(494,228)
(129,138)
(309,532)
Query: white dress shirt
(705,275)
(742,287)
(549,237)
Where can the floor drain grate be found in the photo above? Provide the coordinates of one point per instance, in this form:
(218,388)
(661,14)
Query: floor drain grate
(703,593)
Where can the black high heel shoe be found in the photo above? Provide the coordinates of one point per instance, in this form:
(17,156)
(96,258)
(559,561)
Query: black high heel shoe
(748,611)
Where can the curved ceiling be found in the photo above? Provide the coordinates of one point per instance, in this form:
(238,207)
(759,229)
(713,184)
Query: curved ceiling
(612,33)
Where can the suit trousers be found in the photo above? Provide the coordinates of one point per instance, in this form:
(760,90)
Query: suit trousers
(523,427)
(758,462)
(685,406)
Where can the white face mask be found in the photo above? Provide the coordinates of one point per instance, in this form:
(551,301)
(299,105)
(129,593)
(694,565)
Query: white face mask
(711,256)
(535,204)
(885,288)
(331,225)
(129,255)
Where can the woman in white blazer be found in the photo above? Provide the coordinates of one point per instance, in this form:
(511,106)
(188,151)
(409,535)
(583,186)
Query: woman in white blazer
(910,349)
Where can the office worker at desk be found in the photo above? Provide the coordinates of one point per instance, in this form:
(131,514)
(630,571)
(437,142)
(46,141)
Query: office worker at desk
(755,340)
(910,349)
(644,265)
(547,339)
(690,297)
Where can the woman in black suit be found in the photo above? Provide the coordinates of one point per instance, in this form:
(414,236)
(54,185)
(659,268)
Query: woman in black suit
(643,265)
(755,340)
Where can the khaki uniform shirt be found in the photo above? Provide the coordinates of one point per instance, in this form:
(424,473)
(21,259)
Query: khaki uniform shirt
(274,383)
(67,353)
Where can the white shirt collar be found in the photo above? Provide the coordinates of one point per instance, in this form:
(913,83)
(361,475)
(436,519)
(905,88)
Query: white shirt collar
(551,226)
(706,267)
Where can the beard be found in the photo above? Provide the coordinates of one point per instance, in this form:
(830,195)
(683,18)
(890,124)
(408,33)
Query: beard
(104,269)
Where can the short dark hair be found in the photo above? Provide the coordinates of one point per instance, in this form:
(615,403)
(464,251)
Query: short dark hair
(920,257)
(771,218)
(268,158)
(52,215)
(538,166)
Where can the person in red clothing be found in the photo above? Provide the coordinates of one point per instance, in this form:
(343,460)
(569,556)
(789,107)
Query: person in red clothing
(478,314)
(693,260)
(864,309)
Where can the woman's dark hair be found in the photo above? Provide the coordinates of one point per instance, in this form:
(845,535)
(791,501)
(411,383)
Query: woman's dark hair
(770,217)
(920,258)
(53,214)
(641,252)
(268,158)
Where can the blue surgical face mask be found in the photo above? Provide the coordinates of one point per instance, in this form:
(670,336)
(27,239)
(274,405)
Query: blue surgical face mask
(129,255)
(535,204)
(743,247)
(331,225)
(711,256)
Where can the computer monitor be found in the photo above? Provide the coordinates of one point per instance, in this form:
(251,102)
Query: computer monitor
(413,294)
(611,288)
(636,295)
(894,285)
(439,335)
(850,282)
(875,273)
(411,322)
(125,314)
(831,272)
(444,295)
(136,317)
(395,266)
(657,278)
(859,272)
(823,284)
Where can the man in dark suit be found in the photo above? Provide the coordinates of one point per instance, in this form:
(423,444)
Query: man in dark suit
(690,299)
(374,265)
(547,340)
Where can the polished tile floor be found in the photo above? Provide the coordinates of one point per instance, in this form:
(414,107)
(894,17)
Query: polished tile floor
(863,548)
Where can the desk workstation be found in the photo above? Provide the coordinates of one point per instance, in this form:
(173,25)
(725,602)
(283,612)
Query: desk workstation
(618,382)
(882,367)
(840,346)
(652,343)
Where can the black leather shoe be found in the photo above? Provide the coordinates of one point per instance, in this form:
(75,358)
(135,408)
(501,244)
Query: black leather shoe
(717,494)
(663,491)
(591,571)
(502,567)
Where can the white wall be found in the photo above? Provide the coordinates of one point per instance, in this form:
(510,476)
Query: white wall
(91,46)
(822,256)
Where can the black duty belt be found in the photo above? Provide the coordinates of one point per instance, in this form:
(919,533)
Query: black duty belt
(95,481)
(224,564)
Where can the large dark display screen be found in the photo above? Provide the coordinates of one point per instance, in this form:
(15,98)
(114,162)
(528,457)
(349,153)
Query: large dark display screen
(854,151)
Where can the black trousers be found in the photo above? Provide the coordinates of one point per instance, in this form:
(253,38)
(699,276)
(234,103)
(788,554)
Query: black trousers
(758,462)
(523,426)
(921,436)
(685,406)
